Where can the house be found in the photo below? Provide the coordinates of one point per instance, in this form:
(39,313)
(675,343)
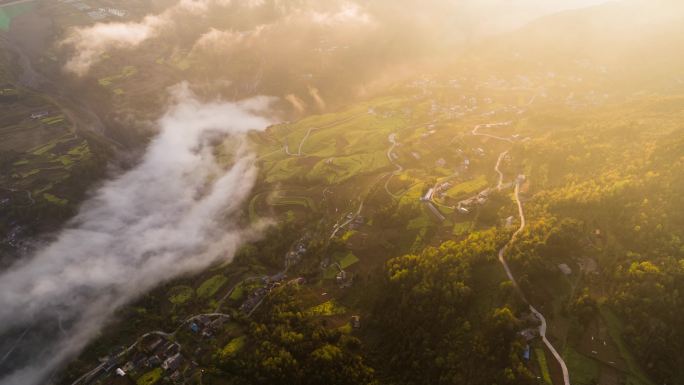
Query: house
(218,322)
(120,372)
(277,277)
(130,365)
(526,353)
(175,377)
(39,114)
(172,349)
(529,334)
(565,269)
(153,362)
(462,210)
(154,344)
(173,363)
(341,276)
(428,195)
(356,321)
(194,327)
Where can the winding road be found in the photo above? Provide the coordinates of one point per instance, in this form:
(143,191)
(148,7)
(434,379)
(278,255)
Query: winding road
(539,315)
(499,185)
(137,341)
(476,130)
(337,226)
(400,168)
(502,251)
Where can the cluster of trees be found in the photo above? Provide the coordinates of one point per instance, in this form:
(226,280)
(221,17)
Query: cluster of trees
(284,345)
(621,176)
(649,297)
(432,328)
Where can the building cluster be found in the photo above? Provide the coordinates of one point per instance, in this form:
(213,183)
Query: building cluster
(530,333)
(343,278)
(255,297)
(295,255)
(155,352)
(205,327)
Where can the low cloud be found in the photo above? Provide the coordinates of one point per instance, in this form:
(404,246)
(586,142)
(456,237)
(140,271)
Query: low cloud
(173,214)
(298,104)
(92,42)
(316,95)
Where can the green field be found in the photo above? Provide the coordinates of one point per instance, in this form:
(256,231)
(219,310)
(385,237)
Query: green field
(209,287)
(543,365)
(298,201)
(55,199)
(583,369)
(180,294)
(336,170)
(151,377)
(470,187)
(615,328)
(461,228)
(233,347)
(344,260)
(348,260)
(326,309)
(125,73)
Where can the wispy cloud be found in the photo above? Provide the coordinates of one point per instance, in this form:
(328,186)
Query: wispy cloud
(171,215)
(92,42)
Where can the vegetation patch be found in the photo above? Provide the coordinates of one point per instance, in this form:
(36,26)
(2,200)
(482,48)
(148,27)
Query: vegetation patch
(55,200)
(461,228)
(543,365)
(180,294)
(326,309)
(584,370)
(209,287)
(126,72)
(233,347)
(470,187)
(151,377)
(347,260)
(615,328)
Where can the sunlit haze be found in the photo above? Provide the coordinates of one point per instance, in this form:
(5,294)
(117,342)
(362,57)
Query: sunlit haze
(341,192)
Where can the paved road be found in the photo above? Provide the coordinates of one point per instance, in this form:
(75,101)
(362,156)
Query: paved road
(137,341)
(337,227)
(301,143)
(286,147)
(400,168)
(502,252)
(499,185)
(540,316)
(476,130)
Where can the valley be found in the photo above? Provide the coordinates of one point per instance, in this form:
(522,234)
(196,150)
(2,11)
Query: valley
(284,193)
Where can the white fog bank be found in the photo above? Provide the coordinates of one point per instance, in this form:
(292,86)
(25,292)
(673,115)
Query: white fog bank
(173,214)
